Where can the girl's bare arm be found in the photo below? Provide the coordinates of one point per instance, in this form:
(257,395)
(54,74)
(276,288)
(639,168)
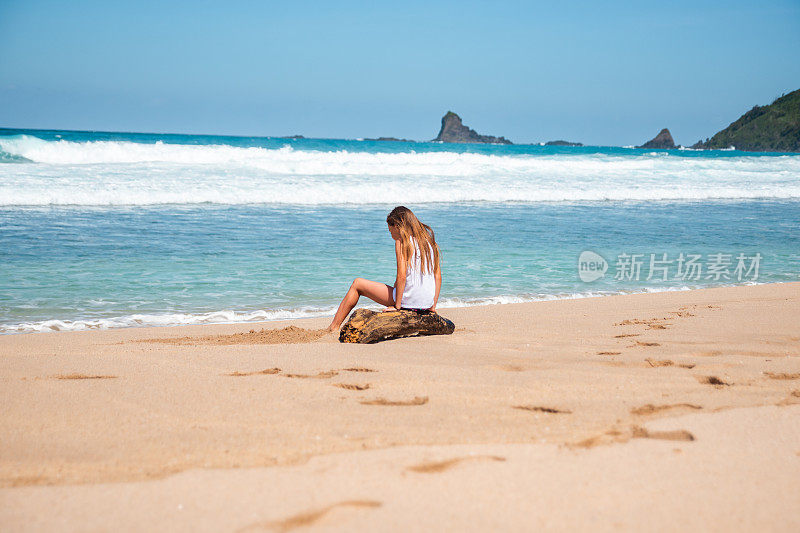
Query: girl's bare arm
(400,280)
(438,275)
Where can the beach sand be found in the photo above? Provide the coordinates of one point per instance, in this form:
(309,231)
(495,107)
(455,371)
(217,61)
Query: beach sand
(664,411)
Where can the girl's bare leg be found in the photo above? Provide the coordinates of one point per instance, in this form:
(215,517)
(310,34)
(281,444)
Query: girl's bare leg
(378,292)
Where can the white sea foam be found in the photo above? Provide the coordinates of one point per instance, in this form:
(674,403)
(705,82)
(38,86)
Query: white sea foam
(165,319)
(129,173)
(232,317)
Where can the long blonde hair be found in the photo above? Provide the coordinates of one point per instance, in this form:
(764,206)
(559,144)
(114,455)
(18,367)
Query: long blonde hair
(409,226)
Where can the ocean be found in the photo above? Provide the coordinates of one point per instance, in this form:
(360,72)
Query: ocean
(101,230)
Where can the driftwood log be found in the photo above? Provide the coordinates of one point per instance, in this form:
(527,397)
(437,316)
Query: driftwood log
(367,327)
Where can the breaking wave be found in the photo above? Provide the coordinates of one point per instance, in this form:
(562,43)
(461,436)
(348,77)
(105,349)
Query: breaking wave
(130,173)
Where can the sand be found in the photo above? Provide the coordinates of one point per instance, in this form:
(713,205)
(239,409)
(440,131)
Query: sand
(287,335)
(663,411)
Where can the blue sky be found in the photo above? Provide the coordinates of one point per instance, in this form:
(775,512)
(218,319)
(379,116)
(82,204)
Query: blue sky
(609,73)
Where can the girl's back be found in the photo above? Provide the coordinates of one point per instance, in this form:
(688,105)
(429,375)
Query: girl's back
(420,288)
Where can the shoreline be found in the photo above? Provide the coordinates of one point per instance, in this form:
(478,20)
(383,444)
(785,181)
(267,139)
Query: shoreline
(552,403)
(481,302)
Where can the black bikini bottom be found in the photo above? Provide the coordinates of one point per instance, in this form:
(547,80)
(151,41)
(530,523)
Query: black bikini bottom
(420,311)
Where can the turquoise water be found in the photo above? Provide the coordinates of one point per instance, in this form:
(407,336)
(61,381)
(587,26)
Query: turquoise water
(105,230)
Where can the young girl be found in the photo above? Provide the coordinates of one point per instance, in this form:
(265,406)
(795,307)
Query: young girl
(418,275)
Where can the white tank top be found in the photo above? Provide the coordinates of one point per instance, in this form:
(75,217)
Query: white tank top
(420,288)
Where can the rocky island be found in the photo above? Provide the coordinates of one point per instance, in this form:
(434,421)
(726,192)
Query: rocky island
(661,141)
(771,128)
(391,139)
(562,143)
(454,131)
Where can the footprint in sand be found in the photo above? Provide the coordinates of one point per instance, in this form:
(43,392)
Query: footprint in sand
(349,386)
(656,323)
(321,375)
(782,375)
(626,335)
(631,322)
(358,369)
(608,353)
(667,362)
(659,362)
(641,344)
(309,517)
(615,436)
(677,434)
(651,323)
(708,353)
(83,376)
(441,466)
(541,409)
(792,399)
(418,400)
(650,409)
(267,371)
(713,380)
(609,437)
